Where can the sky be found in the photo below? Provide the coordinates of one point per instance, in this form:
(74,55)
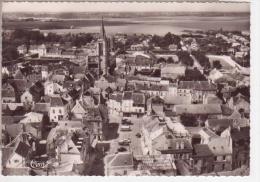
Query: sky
(123,6)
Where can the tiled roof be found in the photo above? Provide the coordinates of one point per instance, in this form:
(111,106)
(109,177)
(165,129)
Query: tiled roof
(173,69)
(213,100)
(177,100)
(152,124)
(197,85)
(155,162)
(121,160)
(198,109)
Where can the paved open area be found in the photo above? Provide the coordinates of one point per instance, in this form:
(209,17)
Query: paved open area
(136,125)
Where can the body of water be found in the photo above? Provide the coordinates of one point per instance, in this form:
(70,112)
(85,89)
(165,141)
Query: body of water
(162,25)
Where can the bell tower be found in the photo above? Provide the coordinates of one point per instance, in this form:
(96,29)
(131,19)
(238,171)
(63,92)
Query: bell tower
(103,49)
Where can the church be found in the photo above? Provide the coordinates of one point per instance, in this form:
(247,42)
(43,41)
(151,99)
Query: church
(103,49)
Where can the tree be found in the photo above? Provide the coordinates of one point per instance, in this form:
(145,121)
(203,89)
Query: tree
(161,60)
(217,65)
(185,58)
(170,60)
(189,120)
(9,53)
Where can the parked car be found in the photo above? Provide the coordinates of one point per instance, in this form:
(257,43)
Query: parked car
(125,128)
(121,149)
(126,121)
(138,135)
(124,142)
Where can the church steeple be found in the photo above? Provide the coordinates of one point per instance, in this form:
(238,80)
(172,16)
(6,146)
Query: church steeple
(102,31)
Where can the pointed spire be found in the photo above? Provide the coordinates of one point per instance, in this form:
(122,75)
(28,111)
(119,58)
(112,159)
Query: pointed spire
(102,31)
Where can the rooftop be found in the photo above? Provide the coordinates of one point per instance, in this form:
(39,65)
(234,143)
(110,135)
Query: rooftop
(198,109)
(197,85)
(119,160)
(57,102)
(202,150)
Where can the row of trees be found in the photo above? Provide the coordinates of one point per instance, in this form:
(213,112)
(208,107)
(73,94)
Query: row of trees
(184,58)
(165,41)
(27,37)
(202,58)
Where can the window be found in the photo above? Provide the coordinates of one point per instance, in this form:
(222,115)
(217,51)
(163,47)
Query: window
(60,111)
(215,158)
(53,111)
(224,158)
(16,161)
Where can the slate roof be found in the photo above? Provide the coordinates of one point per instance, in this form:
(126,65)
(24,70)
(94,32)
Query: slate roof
(220,124)
(6,120)
(23,149)
(127,95)
(93,114)
(116,96)
(57,102)
(14,129)
(202,150)
(41,107)
(7,152)
(20,85)
(138,98)
(226,110)
(8,93)
(169,145)
(240,134)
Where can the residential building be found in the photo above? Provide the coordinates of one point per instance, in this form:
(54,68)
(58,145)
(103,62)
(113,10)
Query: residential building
(58,109)
(203,159)
(119,164)
(133,103)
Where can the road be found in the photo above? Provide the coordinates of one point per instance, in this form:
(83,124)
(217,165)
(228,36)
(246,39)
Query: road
(135,145)
(196,64)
